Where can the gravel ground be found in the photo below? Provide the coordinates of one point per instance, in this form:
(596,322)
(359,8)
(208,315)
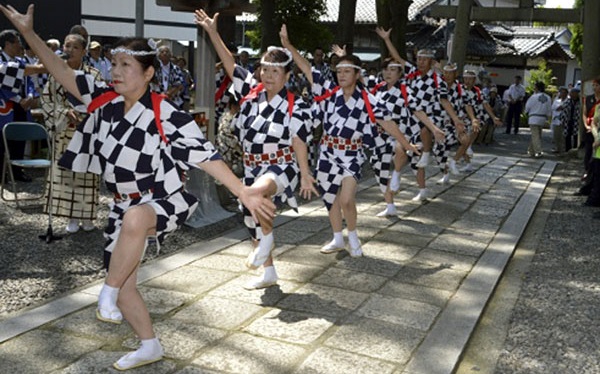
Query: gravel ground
(32,271)
(554,327)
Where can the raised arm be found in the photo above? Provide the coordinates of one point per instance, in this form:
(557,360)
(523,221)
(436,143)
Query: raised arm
(53,63)
(300,61)
(210,26)
(385,35)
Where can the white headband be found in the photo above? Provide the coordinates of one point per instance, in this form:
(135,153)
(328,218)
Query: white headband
(347,65)
(426,53)
(277,64)
(130,52)
(450,67)
(394,65)
(469,74)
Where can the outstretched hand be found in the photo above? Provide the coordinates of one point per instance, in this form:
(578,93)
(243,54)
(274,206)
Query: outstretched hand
(284,37)
(339,51)
(202,19)
(307,186)
(22,22)
(383,34)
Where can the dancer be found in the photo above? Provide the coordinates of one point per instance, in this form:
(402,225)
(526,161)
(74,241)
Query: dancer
(349,114)
(274,126)
(140,144)
(75,195)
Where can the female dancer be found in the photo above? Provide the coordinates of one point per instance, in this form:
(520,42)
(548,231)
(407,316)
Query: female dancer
(349,114)
(273,126)
(140,144)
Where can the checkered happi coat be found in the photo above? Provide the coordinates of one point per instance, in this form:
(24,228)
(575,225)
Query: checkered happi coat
(476,100)
(264,127)
(127,150)
(348,120)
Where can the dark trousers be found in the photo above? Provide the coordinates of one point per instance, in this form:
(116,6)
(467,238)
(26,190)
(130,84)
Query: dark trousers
(594,196)
(588,142)
(570,137)
(513,117)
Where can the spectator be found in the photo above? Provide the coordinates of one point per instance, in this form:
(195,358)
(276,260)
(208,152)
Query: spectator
(486,135)
(319,63)
(570,118)
(97,60)
(169,78)
(244,61)
(516,95)
(188,83)
(589,108)
(558,129)
(539,111)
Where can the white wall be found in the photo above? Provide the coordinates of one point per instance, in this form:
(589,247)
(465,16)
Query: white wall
(120,9)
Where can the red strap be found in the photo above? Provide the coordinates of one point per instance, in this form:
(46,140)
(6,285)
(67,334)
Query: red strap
(478,93)
(435,80)
(365,96)
(290,99)
(102,99)
(110,95)
(404,94)
(327,94)
(253,93)
(377,87)
(156,99)
(413,75)
(459,89)
(221,91)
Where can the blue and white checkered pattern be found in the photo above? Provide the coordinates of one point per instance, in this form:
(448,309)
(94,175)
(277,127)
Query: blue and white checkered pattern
(264,127)
(346,119)
(127,150)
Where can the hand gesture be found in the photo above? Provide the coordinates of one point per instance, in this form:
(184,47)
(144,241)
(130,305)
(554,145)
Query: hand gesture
(283,35)
(22,22)
(257,203)
(414,149)
(207,23)
(339,51)
(476,125)
(439,135)
(307,186)
(383,34)
(460,125)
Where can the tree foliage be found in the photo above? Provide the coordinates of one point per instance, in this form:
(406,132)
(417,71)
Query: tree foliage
(576,43)
(542,74)
(301,18)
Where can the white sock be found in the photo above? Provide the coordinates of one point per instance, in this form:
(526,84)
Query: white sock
(396,175)
(423,191)
(353,239)
(266,242)
(150,350)
(338,238)
(270,273)
(151,345)
(108,296)
(391,206)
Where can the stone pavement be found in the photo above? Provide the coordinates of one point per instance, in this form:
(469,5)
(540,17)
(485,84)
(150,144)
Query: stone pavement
(407,307)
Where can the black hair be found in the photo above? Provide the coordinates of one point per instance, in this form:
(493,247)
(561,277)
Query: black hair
(277,55)
(8,36)
(540,86)
(79,38)
(353,59)
(139,44)
(390,60)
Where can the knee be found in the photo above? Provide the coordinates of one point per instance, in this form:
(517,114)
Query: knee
(136,221)
(347,203)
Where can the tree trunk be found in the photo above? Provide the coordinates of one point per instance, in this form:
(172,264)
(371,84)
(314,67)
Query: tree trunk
(345,30)
(393,14)
(269,32)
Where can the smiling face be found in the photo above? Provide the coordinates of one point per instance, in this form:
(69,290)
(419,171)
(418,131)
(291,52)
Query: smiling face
(273,78)
(129,77)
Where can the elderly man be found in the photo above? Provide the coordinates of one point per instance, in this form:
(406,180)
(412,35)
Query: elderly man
(97,60)
(539,111)
(169,77)
(558,128)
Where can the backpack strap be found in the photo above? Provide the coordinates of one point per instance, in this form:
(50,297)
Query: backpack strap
(365,96)
(110,95)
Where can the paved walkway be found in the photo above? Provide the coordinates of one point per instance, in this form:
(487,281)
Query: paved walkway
(409,306)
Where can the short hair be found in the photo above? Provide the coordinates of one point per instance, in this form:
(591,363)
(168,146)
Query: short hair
(518,77)
(79,38)
(353,59)
(540,86)
(79,29)
(8,36)
(277,55)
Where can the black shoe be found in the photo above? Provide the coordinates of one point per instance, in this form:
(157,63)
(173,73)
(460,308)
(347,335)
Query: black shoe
(22,177)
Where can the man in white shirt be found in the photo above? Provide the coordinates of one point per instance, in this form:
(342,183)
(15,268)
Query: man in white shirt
(516,94)
(556,124)
(539,112)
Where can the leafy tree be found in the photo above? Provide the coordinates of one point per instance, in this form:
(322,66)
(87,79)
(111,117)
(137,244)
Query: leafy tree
(576,43)
(542,74)
(301,18)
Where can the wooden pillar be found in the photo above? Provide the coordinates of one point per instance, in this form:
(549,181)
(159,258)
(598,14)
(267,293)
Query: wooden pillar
(590,64)
(461,33)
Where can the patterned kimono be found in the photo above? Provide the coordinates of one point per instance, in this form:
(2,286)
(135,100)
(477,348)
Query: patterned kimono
(137,165)
(346,121)
(455,95)
(475,98)
(74,195)
(266,129)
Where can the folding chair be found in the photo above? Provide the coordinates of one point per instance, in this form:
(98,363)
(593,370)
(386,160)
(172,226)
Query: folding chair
(23,131)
